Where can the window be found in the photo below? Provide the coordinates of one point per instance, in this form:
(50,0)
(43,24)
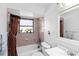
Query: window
(26,25)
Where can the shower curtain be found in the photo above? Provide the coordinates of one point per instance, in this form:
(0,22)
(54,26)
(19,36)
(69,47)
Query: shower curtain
(13,27)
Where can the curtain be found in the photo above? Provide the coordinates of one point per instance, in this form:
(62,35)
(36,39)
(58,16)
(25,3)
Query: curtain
(13,28)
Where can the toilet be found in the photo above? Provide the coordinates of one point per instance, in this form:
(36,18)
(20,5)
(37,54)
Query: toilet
(44,46)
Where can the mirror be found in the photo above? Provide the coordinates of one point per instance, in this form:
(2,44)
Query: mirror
(69,24)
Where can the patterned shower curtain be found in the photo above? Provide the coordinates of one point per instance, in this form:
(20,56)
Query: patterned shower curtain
(13,28)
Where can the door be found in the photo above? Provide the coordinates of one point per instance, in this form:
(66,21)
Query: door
(13,27)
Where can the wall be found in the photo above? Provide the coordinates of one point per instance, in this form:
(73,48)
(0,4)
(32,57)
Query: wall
(71,24)
(51,24)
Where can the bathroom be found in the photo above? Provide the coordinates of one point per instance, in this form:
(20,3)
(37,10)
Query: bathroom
(45,34)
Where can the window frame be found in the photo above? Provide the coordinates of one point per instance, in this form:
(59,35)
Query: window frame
(26,26)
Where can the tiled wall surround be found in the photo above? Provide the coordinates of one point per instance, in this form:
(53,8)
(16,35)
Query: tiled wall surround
(28,38)
(32,38)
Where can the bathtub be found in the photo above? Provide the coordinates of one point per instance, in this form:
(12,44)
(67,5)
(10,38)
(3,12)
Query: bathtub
(27,50)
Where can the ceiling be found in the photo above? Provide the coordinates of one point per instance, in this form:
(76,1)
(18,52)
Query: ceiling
(36,8)
(45,5)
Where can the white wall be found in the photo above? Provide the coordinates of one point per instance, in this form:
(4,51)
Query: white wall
(51,24)
(71,24)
